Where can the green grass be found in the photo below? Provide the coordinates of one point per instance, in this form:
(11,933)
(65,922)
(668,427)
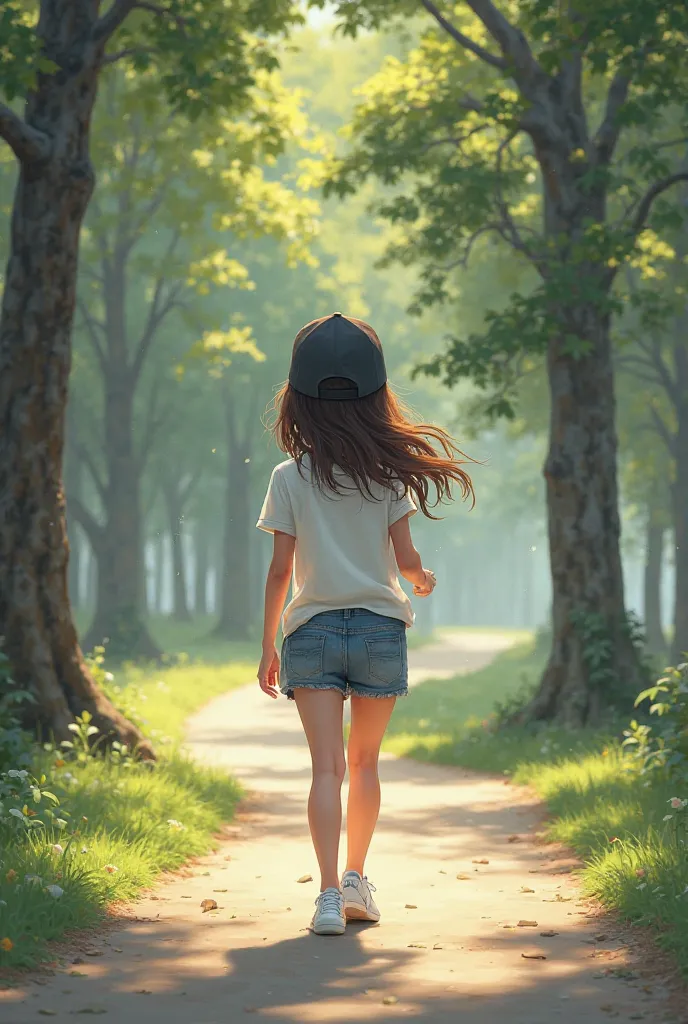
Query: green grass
(118,818)
(635,862)
(119,815)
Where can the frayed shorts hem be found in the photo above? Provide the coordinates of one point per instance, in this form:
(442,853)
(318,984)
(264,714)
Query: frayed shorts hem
(350,691)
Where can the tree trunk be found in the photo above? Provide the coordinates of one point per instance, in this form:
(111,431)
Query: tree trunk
(119,619)
(234,608)
(652,583)
(679,646)
(593,665)
(73,488)
(175,517)
(51,197)
(201,552)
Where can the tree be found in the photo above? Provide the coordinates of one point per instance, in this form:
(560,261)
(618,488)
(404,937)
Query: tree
(488,107)
(657,357)
(205,54)
(162,235)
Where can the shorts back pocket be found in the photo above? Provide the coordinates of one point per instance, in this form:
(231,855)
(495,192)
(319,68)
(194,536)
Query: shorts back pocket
(385,659)
(304,655)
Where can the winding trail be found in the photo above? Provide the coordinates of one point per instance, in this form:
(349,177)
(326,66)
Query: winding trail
(447,949)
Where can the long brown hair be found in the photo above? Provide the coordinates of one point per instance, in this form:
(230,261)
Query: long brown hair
(371,439)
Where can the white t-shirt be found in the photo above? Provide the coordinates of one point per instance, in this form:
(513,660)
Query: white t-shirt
(344,557)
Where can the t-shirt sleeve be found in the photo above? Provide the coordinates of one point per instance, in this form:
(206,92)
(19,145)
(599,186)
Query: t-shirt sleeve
(277,513)
(400,504)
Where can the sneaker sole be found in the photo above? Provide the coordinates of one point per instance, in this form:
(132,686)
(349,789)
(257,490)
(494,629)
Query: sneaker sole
(360,914)
(330,928)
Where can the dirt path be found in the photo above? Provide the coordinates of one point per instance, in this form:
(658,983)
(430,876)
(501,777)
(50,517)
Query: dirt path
(448,948)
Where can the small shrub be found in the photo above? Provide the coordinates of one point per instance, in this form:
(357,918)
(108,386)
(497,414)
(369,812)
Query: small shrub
(663,749)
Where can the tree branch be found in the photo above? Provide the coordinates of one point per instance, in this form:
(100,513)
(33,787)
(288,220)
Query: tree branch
(645,204)
(608,133)
(130,51)
(510,39)
(91,324)
(26,143)
(663,431)
(87,521)
(120,11)
(463,40)
(83,453)
(117,14)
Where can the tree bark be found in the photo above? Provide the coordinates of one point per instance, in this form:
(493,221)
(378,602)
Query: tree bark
(201,552)
(593,666)
(175,518)
(73,488)
(679,646)
(119,621)
(234,609)
(52,194)
(652,586)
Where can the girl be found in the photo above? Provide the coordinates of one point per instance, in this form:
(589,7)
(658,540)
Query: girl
(339,510)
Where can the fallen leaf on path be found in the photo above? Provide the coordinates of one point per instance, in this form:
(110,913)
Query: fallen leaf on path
(462,877)
(602,937)
(116,949)
(91,1009)
(442,872)
(208,905)
(514,839)
(389,1000)
(481,860)
(143,992)
(527,924)
(94,952)
(411,906)
(77,974)
(48,1013)
(607,1008)
(548,935)
(305,878)
(533,956)
(526,888)
(558,898)
(437,946)
(220,890)
(416,945)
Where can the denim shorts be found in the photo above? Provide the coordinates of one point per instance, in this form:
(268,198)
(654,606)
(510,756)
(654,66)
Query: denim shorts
(351,650)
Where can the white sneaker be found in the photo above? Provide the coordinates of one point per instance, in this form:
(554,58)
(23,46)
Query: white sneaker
(359,905)
(328,918)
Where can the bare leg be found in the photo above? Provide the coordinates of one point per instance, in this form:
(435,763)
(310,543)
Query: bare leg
(321,715)
(369,719)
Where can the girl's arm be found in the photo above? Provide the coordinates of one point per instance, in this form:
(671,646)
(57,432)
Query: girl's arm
(408,559)
(276,588)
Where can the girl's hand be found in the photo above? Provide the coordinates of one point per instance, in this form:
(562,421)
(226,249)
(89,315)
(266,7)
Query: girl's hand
(268,673)
(427,588)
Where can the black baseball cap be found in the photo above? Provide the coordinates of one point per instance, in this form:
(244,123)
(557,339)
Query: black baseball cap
(337,346)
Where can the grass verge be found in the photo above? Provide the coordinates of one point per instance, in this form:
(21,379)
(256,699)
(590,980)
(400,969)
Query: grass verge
(118,823)
(636,862)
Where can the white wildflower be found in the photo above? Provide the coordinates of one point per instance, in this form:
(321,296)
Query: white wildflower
(109,676)
(642,885)
(57,848)
(667,817)
(677,803)
(14,773)
(177,825)
(55,891)
(60,823)
(84,849)
(33,880)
